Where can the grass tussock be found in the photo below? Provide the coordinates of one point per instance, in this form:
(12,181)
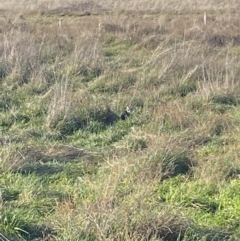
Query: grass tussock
(71,168)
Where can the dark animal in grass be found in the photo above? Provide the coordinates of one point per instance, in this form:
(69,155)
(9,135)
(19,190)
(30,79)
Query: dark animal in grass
(110,117)
(126,113)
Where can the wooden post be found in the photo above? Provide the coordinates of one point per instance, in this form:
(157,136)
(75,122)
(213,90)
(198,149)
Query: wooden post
(205,18)
(59,24)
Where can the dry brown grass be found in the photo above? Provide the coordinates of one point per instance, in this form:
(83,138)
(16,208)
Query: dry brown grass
(142,5)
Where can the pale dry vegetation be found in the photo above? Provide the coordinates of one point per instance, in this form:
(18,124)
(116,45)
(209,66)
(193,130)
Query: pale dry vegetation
(132,5)
(71,169)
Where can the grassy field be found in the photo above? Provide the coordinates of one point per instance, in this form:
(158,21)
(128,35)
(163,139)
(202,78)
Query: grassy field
(71,169)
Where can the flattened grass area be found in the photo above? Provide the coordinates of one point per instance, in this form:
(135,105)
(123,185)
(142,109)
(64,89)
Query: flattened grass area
(71,169)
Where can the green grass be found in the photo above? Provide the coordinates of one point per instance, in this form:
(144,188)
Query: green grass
(209,205)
